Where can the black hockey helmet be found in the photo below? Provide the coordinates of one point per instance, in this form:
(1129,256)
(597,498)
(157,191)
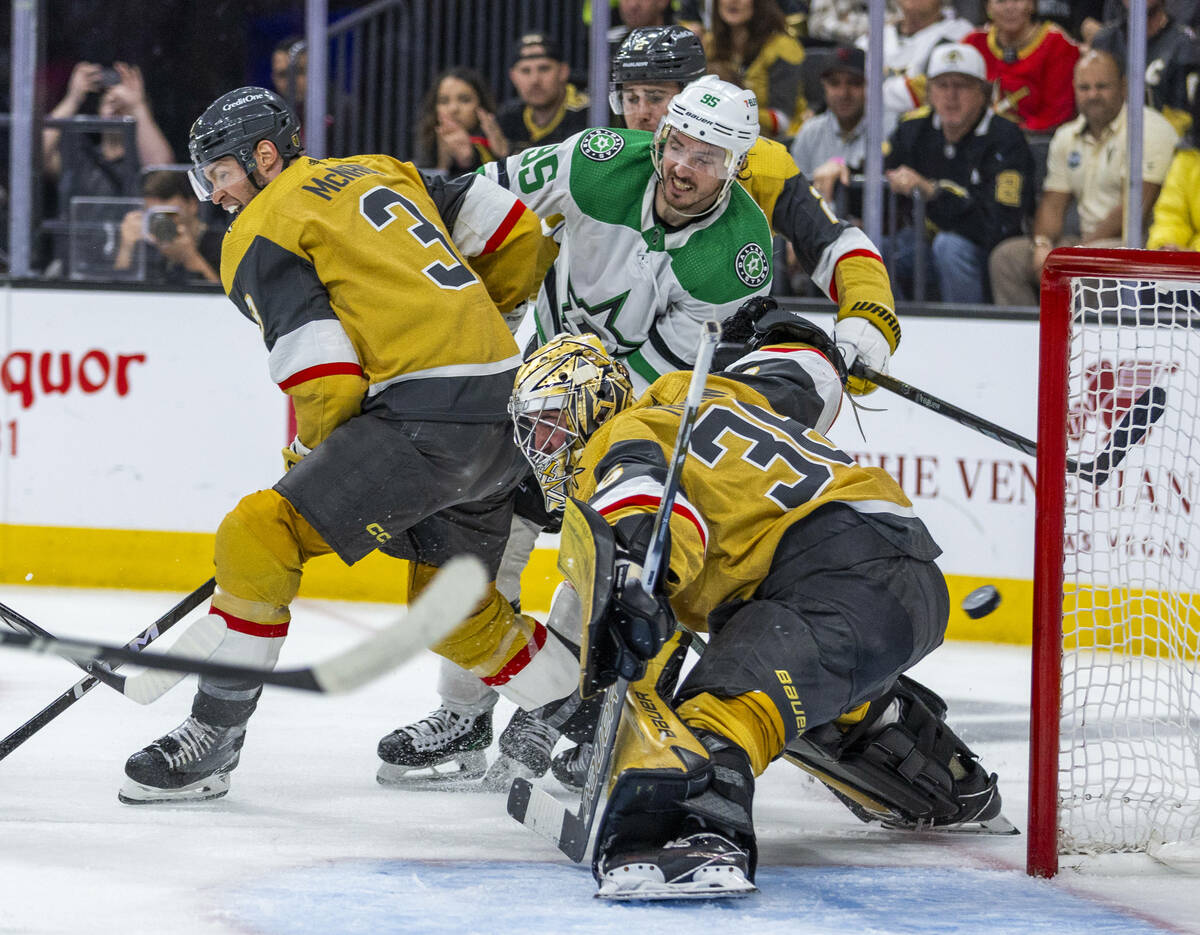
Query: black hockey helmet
(656,53)
(233,125)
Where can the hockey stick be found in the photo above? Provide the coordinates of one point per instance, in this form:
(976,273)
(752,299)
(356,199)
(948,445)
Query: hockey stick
(538,809)
(198,641)
(85,685)
(440,608)
(1130,430)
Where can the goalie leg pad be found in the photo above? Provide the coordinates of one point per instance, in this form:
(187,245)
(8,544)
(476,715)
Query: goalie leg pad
(901,764)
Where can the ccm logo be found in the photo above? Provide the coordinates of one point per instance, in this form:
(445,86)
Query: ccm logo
(377,531)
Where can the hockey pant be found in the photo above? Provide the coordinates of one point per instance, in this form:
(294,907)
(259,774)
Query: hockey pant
(261,548)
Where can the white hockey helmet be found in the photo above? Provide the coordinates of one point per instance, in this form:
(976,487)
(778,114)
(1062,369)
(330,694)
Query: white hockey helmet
(712,111)
(566,390)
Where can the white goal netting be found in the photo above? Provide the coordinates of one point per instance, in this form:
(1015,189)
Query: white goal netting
(1129,740)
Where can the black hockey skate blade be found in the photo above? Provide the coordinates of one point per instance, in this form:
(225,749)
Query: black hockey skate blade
(539,811)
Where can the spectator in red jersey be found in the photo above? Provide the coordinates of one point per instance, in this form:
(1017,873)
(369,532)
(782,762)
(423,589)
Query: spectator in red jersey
(458,131)
(1031,62)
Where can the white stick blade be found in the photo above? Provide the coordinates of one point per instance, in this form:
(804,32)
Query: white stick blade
(198,641)
(440,608)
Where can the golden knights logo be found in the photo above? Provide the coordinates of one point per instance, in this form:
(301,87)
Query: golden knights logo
(600,145)
(752,265)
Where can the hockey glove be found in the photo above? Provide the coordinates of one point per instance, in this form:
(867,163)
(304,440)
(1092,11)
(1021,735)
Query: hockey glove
(293,453)
(859,340)
(639,623)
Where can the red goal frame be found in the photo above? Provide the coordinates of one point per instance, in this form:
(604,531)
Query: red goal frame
(1061,267)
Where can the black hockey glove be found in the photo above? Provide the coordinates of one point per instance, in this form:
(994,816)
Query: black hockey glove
(638,623)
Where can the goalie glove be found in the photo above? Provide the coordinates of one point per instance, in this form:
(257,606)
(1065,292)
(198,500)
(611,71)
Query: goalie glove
(638,623)
(859,340)
(293,453)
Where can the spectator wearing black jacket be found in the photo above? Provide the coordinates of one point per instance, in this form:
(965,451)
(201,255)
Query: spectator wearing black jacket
(975,178)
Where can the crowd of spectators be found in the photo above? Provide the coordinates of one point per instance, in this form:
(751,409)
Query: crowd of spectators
(1005,125)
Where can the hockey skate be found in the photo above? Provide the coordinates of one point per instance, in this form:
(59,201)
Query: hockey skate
(570,767)
(525,748)
(444,750)
(189,764)
(703,865)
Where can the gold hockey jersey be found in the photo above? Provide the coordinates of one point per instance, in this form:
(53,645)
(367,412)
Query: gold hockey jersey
(356,271)
(755,467)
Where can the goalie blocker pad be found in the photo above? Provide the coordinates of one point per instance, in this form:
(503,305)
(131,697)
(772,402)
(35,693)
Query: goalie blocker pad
(911,773)
(587,557)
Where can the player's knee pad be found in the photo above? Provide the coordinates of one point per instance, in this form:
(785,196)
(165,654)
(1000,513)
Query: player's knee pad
(261,546)
(901,763)
(509,652)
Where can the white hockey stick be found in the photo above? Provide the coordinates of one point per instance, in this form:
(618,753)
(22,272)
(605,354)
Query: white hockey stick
(199,641)
(440,608)
(536,808)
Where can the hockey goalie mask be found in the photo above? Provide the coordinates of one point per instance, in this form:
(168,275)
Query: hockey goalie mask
(563,393)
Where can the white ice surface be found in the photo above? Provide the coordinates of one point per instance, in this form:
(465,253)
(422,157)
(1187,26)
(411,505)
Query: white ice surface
(307,842)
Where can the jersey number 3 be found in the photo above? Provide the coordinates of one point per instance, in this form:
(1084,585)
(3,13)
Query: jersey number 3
(773,441)
(377,207)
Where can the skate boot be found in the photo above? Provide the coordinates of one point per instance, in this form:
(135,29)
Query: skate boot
(570,767)
(442,749)
(191,763)
(700,865)
(525,748)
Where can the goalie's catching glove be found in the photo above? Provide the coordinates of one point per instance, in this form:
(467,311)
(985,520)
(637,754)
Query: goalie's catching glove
(859,340)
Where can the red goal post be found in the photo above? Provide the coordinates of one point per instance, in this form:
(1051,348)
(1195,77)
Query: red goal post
(1115,715)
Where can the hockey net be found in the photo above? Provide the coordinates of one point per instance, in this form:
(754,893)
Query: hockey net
(1115,728)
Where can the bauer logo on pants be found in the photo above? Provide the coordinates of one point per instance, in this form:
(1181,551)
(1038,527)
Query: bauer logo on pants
(601,145)
(752,265)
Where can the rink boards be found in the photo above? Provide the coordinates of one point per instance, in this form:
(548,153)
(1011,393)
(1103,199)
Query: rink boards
(131,422)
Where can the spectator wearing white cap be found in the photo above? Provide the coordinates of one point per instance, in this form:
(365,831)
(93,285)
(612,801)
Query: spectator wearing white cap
(975,178)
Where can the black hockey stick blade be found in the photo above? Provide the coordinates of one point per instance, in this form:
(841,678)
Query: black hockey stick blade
(199,641)
(1132,428)
(86,684)
(440,608)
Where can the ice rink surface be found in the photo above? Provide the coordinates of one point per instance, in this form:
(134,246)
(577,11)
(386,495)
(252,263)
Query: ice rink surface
(308,842)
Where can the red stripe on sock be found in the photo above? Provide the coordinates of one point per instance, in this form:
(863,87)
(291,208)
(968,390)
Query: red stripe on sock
(521,659)
(269,631)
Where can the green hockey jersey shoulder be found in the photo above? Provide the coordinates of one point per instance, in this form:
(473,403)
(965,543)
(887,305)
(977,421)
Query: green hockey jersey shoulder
(729,260)
(610,169)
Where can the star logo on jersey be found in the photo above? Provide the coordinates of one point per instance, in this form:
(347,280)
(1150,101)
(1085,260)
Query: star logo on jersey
(600,145)
(752,265)
(601,318)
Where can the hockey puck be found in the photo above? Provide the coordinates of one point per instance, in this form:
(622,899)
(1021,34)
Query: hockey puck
(981,602)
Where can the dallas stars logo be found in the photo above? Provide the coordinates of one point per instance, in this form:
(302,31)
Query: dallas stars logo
(752,266)
(600,145)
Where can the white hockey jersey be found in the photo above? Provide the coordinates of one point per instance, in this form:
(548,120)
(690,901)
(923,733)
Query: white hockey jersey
(621,274)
